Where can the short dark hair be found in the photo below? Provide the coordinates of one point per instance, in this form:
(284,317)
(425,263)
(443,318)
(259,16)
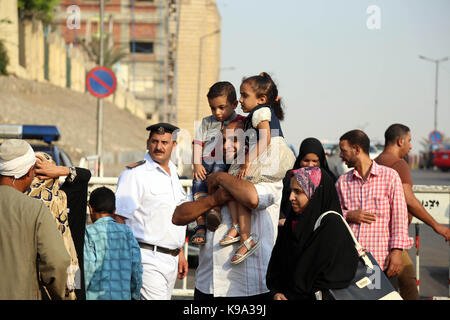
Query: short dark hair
(222,88)
(103,200)
(394,132)
(359,138)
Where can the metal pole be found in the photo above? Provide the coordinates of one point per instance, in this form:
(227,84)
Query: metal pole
(199,71)
(436,95)
(165,50)
(99,100)
(175,77)
(417,259)
(435,61)
(133,49)
(197,113)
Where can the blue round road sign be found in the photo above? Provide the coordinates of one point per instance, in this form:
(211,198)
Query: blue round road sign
(435,137)
(101,82)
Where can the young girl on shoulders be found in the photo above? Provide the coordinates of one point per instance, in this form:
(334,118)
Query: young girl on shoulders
(268,157)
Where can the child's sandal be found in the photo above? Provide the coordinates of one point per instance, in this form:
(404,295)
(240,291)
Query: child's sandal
(213,220)
(200,236)
(251,249)
(227,239)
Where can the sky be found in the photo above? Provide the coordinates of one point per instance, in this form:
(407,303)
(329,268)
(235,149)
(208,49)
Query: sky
(343,64)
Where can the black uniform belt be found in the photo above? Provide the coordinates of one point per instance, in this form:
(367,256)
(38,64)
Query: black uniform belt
(172,252)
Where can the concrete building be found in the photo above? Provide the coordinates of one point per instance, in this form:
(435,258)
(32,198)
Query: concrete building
(198,57)
(173,46)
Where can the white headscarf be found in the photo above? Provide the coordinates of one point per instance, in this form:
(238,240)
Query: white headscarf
(16,158)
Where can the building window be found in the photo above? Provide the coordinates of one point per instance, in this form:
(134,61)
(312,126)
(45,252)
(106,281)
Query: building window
(142,47)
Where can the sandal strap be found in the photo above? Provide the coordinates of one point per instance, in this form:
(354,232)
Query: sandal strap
(214,211)
(236,226)
(246,243)
(199,227)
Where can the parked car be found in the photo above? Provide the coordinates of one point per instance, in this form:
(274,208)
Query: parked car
(338,167)
(426,157)
(40,138)
(441,157)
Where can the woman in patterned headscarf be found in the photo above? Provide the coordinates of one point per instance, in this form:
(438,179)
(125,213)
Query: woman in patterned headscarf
(311,154)
(56,200)
(305,260)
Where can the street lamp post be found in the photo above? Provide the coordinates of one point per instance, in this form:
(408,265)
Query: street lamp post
(197,114)
(436,61)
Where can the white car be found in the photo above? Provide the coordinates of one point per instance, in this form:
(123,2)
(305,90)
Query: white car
(338,167)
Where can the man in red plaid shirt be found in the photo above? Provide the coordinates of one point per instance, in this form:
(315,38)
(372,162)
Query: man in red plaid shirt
(373,202)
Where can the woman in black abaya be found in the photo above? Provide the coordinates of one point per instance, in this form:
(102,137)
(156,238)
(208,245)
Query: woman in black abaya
(311,154)
(304,261)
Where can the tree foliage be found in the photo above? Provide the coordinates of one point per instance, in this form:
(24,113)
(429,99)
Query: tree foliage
(4,59)
(38,9)
(111,54)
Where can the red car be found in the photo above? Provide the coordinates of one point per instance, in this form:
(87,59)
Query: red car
(441,157)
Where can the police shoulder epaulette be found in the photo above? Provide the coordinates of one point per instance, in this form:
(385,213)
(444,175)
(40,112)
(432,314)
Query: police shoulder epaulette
(136,164)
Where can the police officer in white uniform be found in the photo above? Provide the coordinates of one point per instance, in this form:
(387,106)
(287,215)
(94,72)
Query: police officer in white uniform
(147,194)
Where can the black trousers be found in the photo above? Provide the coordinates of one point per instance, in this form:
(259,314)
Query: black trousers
(200,296)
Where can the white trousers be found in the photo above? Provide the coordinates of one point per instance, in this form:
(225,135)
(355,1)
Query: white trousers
(159,273)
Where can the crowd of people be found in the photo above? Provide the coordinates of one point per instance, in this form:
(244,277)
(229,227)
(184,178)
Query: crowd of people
(248,189)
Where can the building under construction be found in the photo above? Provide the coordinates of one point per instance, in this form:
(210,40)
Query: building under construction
(168,50)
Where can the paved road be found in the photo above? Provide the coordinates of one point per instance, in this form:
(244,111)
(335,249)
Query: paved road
(431,177)
(434,252)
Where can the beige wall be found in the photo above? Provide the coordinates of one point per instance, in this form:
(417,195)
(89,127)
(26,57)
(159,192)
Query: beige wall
(199,21)
(9,32)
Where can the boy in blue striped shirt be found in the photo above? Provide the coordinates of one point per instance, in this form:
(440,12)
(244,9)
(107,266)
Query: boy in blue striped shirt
(112,257)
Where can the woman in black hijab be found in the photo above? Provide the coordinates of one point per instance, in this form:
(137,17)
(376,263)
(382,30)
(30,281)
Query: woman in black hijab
(304,261)
(311,154)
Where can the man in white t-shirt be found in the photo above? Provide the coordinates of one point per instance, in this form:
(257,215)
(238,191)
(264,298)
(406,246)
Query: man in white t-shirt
(215,276)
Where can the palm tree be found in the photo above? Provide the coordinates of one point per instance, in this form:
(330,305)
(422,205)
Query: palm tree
(111,54)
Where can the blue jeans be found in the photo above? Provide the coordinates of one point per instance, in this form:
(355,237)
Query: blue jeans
(199,187)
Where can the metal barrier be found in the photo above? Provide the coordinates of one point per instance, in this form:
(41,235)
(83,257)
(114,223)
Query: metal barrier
(435,199)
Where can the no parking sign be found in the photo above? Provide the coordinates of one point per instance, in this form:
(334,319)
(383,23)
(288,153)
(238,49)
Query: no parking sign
(101,82)
(435,137)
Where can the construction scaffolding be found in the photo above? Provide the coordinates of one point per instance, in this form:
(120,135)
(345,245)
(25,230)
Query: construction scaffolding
(171,27)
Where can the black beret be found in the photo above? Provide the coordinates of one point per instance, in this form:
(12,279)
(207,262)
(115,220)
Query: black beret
(162,128)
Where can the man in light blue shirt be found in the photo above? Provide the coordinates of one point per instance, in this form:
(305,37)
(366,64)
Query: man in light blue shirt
(112,257)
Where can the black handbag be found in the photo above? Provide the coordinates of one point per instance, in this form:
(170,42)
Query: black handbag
(369,282)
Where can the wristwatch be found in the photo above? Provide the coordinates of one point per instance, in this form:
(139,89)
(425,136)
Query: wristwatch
(72,174)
